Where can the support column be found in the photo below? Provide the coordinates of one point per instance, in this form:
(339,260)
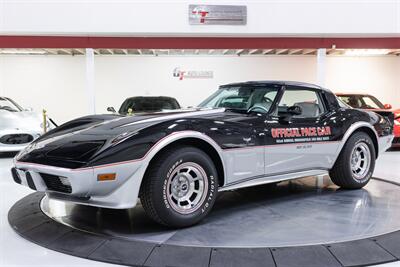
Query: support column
(2,87)
(90,90)
(321,66)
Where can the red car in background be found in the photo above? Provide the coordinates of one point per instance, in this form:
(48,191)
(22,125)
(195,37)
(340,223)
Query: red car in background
(369,102)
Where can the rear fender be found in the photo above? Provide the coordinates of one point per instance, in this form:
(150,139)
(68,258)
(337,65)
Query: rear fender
(353,128)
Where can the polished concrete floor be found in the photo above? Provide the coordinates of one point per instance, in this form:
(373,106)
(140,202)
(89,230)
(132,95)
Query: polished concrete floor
(15,251)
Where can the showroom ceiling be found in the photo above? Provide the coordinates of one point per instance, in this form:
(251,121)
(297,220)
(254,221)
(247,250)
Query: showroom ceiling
(194,52)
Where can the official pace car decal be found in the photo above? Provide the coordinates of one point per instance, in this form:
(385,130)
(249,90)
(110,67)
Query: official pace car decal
(302,134)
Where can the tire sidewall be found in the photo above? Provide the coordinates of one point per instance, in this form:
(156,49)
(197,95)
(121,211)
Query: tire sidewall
(163,207)
(354,140)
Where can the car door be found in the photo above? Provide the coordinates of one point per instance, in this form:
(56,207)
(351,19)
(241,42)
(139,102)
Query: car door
(240,131)
(303,141)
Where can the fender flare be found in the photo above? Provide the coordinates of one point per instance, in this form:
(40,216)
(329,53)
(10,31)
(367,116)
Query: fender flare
(354,127)
(176,136)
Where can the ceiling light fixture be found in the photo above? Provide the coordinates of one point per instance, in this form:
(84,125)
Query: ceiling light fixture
(366,52)
(22,51)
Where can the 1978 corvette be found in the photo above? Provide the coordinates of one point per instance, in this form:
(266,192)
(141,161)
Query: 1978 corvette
(245,134)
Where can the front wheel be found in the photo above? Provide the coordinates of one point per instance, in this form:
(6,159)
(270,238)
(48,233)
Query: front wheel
(180,187)
(354,167)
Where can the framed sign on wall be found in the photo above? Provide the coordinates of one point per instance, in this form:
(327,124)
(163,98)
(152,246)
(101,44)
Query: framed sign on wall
(217,15)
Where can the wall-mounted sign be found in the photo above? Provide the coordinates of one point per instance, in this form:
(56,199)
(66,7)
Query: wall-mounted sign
(192,74)
(217,15)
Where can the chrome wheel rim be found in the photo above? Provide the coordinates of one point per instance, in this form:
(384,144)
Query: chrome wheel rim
(187,187)
(360,160)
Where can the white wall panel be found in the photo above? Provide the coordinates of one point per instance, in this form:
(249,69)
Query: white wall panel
(379,76)
(266,18)
(118,77)
(57,83)
(324,17)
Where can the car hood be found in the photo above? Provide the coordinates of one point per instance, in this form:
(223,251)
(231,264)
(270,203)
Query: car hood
(137,122)
(19,120)
(101,132)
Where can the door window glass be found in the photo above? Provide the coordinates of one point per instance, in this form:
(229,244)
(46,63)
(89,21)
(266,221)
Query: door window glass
(308,100)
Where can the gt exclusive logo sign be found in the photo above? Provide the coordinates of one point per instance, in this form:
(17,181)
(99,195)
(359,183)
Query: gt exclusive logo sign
(192,74)
(201,14)
(217,15)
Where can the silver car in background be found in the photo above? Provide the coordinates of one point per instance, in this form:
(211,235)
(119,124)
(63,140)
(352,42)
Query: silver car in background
(18,126)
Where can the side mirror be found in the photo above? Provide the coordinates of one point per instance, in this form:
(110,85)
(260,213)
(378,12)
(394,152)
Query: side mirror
(111,109)
(29,109)
(388,106)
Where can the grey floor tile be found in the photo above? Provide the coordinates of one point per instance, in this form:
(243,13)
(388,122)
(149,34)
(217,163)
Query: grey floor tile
(123,252)
(177,256)
(77,243)
(359,253)
(391,243)
(310,256)
(240,257)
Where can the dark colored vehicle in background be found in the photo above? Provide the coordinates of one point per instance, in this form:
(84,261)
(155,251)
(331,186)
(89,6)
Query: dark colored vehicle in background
(245,134)
(143,104)
(369,102)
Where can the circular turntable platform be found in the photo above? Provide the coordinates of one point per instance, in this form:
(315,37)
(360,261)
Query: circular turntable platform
(292,224)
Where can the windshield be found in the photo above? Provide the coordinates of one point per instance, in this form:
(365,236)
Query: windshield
(244,98)
(148,104)
(9,105)
(362,101)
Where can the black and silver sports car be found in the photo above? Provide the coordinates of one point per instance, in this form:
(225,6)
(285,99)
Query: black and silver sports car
(245,134)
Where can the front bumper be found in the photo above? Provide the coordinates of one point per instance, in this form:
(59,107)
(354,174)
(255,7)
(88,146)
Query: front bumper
(385,142)
(81,185)
(396,142)
(396,132)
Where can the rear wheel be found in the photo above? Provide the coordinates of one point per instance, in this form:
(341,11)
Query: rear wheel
(180,187)
(354,167)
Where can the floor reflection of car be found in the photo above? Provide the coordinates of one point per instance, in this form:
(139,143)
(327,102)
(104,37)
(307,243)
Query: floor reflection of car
(369,102)
(18,126)
(143,104)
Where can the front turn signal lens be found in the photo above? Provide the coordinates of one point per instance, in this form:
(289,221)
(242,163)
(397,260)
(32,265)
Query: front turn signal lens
(106,177)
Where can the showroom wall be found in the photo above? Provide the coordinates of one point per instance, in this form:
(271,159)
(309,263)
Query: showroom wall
(56,83)
(138,17)
(47,78)
(154,75)
(376,75)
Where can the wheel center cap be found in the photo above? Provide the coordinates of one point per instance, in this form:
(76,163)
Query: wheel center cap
(184,187)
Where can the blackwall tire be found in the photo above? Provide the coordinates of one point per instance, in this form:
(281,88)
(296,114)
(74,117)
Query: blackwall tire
(355,165)
(180,187)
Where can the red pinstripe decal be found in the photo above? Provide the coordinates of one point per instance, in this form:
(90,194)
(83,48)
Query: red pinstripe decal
(159,141)
(134,160)
(110,164)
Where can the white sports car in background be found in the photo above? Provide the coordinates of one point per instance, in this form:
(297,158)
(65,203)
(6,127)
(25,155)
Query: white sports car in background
(18,127)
